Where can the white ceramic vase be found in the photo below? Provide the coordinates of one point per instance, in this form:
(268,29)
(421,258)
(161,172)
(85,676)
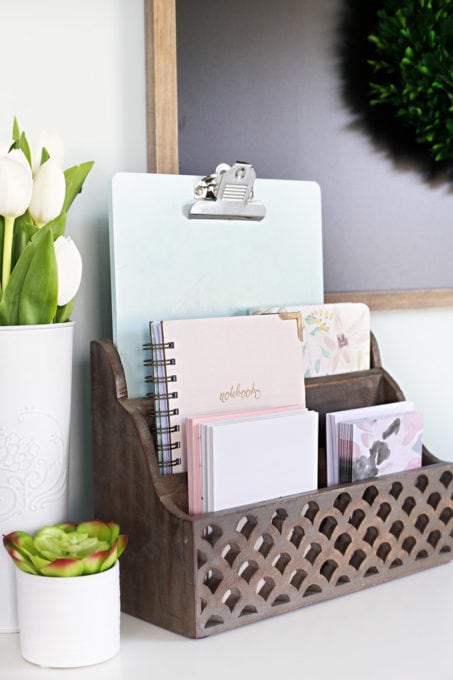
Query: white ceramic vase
(35,405)
(69,622)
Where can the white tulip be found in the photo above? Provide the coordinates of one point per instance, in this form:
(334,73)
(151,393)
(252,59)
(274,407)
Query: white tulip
(54,145)
(4,148)
(49,188)
(69,268)
(19,156)
(16,186)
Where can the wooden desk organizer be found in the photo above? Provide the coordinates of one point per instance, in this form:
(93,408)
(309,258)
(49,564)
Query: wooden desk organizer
(201,575)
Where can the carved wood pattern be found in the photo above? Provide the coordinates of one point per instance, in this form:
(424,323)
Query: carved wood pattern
(201,575)
(294,552)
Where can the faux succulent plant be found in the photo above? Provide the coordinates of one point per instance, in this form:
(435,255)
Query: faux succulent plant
(67,549)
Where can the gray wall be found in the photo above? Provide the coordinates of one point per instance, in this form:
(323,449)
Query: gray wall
(259,82)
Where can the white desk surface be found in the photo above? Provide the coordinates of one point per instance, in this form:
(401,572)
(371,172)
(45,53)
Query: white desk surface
(400,630)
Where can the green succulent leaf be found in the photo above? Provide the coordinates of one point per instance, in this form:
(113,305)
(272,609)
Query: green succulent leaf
(93,563)
(21,562)
(63,567)
(97,529)
(121,544)
(66,526)
(115,531)
(110,557)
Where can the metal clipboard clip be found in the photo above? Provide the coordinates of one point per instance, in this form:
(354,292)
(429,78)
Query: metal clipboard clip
(227,194)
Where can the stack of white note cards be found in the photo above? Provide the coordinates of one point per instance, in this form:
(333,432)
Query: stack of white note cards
(373,441)
(237,459)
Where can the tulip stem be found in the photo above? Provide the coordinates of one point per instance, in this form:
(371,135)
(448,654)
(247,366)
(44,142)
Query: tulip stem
(7,251)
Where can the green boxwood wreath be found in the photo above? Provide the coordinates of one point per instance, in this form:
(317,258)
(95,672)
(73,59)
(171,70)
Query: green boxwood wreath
(397,67)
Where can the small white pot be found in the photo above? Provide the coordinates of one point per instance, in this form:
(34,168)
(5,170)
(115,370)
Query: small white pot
(66,622)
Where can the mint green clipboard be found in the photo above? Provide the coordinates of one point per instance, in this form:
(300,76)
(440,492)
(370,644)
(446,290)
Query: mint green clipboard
(167,266)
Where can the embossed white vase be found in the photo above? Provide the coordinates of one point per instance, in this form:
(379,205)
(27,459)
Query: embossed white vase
(35,406)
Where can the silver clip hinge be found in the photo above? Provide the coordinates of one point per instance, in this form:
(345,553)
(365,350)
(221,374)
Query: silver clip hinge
(227,194)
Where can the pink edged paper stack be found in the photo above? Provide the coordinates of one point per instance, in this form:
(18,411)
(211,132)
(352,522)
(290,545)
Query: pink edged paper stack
(240,458)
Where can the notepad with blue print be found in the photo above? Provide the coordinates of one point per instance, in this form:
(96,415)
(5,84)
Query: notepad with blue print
(221,365)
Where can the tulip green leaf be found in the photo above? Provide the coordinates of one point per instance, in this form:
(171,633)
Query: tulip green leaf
(64,312)
(2,232)
(75,178)
(25,147)
(24,230)
(9,305)
(38,298)
(15,134)
(31,294)
(45,155)
(58,225)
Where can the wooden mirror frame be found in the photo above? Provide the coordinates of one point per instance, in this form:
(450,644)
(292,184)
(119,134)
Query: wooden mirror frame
(161,86)
(162,142)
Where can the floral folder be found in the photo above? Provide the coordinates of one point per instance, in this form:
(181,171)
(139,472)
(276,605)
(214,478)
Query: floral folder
(336,337)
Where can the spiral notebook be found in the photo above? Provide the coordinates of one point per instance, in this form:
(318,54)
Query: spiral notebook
(221,365)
